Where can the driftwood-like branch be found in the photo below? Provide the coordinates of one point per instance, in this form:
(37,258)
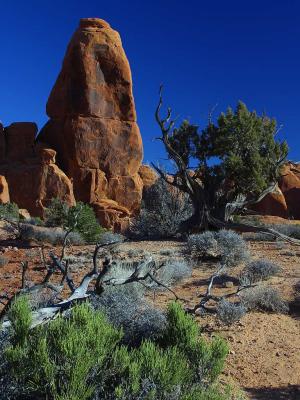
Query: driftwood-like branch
(142,272)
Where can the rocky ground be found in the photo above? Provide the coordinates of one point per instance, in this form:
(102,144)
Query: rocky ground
(264,354)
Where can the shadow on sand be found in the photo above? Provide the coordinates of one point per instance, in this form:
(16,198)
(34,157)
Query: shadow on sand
(291,392)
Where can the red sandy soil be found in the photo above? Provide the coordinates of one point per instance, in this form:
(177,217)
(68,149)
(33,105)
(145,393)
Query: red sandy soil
(264,354)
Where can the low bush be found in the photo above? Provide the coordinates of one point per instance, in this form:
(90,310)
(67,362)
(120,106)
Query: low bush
(258,237)
(62,358)
(163,211)
(291,230)
(259,270)
(57,213)
(80,217)
(229,313)
(263,298)
(173,271)
(126,307)
(232,247)
(203,244)
(81,357)
(9,212)
(34,221)
(108,237)
(183,366)
(54,236)
(226,245)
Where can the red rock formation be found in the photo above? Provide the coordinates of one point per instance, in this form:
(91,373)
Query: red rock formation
(93,125)
(32,176)
(285,202)
(4,192)
(148,175)
(273,204)
(289,183)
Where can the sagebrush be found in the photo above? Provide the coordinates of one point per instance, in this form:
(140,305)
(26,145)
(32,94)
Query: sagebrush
(82,357)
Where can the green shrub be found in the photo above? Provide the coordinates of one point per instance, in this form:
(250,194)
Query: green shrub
(61,359)
(81,356)
(87,224)
(57,213)
(9,211)
(206,360)
(20,317)
(81,217)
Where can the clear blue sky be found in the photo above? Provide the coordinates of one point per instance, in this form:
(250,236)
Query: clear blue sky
(205,52)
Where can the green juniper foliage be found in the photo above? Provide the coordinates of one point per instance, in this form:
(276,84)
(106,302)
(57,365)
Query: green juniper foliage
(237,157)
(82,355)
(9,211)
(80,217)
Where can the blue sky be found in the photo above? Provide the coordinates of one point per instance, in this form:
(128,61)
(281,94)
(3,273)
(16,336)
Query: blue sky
(205,53)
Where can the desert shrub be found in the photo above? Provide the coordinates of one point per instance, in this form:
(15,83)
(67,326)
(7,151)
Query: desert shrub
(173,271)
(87,224)
(206,359)
(292,230)
(203,244)
(81,217)
(135,253)
(163,211)
(3,261)
(126,307)
(54,236)
(182,366)
(263,298)
(226,245)
(20,317)
(81,356)
(62,358)
(229,313)
(259,270)
(9,211)
(233,249)
(36,221)
(258,237)
(108,237)
(56,213)
(168,252)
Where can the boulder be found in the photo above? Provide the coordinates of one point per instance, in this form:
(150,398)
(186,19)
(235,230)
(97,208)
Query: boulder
(4,192)
(111,215)
(23,213)
(93,124)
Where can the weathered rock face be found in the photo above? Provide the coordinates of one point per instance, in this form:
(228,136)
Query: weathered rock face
(92,122)
(273,204)
(285,202)
(289,183)
(33,178)
(148,175)
(4,192)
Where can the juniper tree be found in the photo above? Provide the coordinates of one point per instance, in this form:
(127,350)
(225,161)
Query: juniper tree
(227,166)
